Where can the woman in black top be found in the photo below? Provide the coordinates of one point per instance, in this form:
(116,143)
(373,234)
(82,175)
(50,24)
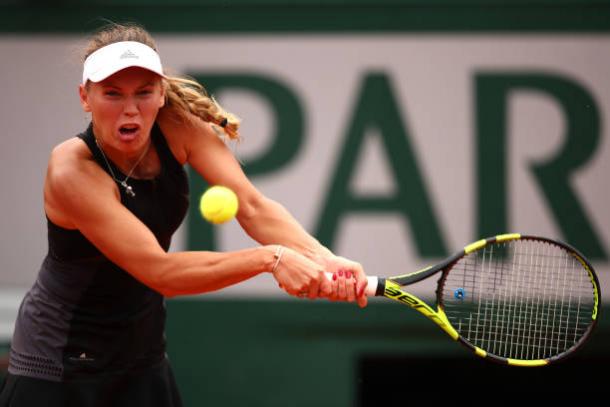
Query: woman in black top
(90,332)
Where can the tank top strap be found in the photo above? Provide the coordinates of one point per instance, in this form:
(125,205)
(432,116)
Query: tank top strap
(89,139)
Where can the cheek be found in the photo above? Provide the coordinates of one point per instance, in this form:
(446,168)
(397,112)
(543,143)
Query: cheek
(150,107)
(103,116)
(105,109)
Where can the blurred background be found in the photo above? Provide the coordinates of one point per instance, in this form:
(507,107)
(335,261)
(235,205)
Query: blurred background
(395,131)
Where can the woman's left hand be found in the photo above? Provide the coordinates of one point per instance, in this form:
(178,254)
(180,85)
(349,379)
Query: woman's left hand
(348,282)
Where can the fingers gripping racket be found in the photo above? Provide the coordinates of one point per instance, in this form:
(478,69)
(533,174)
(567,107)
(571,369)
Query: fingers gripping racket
(517,300)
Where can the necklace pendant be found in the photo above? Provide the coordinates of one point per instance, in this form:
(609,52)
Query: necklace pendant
(128,189)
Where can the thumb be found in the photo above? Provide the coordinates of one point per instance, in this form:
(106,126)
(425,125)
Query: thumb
(326,287)
(362,301)
(361,283)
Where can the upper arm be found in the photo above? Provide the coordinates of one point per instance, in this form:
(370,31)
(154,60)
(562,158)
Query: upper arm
(87,198)
(213,160)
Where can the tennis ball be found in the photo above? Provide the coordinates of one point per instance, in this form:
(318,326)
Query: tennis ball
(218,204)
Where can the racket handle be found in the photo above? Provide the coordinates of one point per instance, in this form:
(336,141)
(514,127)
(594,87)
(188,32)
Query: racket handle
(371,287)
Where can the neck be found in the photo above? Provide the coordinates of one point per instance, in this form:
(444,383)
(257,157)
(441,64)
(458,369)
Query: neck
(127,163)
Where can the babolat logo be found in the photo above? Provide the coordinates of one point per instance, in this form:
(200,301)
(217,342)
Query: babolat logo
(128,54)
(400,296)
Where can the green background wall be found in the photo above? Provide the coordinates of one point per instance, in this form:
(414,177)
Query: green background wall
(291,353)
(309,16)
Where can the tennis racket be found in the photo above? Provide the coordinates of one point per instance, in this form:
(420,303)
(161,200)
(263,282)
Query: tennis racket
(513,299)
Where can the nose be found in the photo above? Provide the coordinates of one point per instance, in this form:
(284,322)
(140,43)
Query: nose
(131,107)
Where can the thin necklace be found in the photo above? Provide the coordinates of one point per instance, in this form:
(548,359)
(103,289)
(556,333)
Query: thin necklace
(128,188)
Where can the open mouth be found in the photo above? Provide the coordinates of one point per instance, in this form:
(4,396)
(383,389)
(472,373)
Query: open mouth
(128,130)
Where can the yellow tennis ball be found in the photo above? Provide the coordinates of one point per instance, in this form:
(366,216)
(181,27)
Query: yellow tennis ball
(218,204)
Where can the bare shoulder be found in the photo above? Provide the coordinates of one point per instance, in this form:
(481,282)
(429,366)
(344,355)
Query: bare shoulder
(69,152)
(70,162)
(72,174)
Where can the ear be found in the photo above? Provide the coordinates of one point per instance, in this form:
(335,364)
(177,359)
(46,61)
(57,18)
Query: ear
(84,98)
(162,95)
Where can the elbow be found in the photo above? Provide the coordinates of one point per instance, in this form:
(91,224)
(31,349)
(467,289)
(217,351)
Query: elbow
(157,276)
(168,293)
(250,208)
(163,289)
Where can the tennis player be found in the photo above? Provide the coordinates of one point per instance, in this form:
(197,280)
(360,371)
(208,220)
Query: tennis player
(90,332)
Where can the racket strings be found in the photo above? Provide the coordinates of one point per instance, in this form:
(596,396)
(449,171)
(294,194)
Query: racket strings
(523,299)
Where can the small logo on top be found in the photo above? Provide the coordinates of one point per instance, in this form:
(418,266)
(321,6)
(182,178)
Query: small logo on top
(83,357)
(128,54)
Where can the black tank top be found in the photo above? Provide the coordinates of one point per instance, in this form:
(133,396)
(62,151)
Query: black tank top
(85,316)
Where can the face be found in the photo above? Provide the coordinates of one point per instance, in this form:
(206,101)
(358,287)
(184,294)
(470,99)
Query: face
(124,107)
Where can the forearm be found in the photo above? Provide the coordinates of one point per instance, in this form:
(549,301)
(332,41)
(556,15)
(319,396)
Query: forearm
(185,273)
(268,222)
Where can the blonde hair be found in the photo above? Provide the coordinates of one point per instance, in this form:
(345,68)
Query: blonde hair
(184,96)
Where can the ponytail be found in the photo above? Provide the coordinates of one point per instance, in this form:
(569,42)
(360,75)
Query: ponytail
(185,96)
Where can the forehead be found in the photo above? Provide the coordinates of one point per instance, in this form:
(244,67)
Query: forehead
(131,77)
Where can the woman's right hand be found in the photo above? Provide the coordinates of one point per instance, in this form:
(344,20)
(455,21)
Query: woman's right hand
(300,276)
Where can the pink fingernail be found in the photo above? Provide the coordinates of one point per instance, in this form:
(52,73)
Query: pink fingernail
(340,273)
(348,274)
(334,277)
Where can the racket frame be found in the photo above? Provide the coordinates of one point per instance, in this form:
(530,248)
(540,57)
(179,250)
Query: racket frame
(391,288)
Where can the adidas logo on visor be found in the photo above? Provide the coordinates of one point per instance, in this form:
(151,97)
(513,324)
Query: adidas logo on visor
(128,54)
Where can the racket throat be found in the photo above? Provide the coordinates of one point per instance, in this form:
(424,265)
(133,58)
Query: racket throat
(394,292)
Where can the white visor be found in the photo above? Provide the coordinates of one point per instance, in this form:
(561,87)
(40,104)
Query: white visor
(112,58)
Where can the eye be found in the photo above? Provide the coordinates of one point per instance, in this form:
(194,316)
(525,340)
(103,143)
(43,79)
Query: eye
(145,92)
(111,93)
